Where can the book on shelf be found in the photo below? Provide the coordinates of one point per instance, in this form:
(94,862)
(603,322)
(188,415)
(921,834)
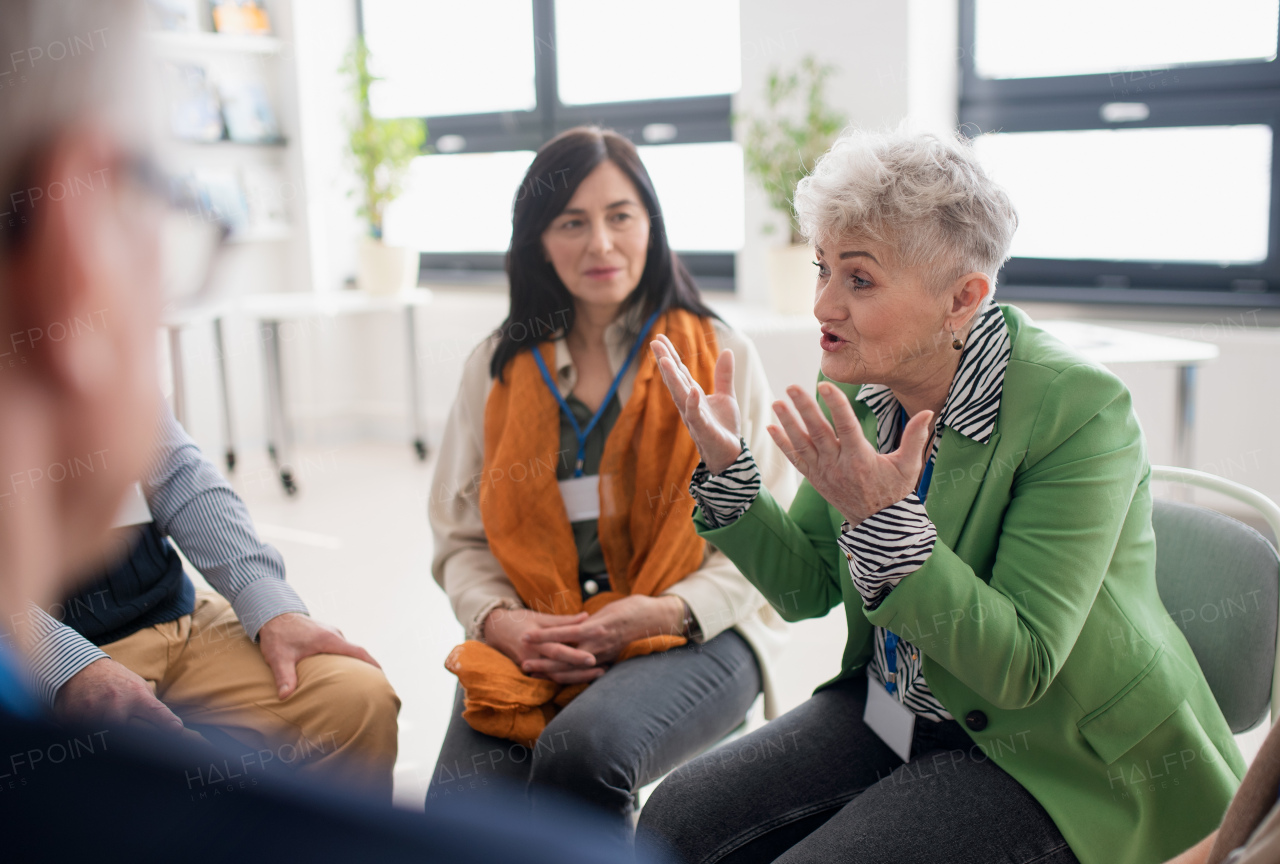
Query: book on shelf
(195,112)
(241,17)
(221,196)
(267,194)
(247,111)
(252,201)
(176,16)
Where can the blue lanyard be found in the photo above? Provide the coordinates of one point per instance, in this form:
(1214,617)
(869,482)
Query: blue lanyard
(891,639)
(608,397)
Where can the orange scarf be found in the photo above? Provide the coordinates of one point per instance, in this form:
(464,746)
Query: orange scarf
(646,531)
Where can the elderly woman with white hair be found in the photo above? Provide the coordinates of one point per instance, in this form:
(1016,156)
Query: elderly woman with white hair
(977,496)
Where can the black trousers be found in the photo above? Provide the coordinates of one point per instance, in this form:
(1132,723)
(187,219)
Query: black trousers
(817,785)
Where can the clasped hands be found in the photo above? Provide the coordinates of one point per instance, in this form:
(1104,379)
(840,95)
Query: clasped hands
(836,458)
(576,649)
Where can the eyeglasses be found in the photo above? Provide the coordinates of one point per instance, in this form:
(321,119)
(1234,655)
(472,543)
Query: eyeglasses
(192,235)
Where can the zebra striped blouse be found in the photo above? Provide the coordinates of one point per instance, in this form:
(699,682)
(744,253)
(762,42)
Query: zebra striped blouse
(890,545)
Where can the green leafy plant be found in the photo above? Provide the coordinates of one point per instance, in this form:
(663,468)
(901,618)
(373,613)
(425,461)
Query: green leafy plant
(782,143)
(382,149)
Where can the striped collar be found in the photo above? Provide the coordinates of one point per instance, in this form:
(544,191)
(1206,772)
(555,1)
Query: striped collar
(974,398)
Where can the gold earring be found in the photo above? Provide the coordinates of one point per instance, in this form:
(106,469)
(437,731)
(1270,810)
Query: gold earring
(955,341)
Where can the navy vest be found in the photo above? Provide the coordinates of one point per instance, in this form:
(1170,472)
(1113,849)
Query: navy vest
(147,587)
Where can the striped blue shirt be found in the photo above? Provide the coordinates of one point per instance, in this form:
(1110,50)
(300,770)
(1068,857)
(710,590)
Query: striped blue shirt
(195,507)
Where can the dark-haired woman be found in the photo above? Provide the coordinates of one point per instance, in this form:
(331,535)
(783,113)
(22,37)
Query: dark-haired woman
(606,643)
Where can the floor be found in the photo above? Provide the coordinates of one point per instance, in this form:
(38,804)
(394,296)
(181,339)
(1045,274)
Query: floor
(358,548)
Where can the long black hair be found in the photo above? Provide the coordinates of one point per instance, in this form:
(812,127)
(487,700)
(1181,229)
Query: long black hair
(540,303)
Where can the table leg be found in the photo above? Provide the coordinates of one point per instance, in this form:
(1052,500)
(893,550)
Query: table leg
(279,443)
(415,400)
(179,379)
(228,434)
(1185,428)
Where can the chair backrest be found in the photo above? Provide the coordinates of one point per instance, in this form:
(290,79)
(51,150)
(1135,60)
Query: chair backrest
(1219,580)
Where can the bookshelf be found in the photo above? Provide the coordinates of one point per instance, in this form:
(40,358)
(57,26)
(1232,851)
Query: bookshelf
(258,183)
(205,351)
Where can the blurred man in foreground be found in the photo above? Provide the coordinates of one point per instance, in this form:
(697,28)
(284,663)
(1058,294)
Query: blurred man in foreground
(80,240)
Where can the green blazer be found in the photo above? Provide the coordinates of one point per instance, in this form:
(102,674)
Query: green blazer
(1038,608)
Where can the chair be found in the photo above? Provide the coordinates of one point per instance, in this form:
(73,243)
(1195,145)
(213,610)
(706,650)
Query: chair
(1220,581)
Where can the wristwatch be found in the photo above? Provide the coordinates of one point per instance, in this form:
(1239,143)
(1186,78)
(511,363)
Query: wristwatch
(689,629)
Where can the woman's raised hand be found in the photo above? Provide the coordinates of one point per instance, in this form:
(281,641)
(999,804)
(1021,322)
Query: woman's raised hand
(840,462)
(713,421)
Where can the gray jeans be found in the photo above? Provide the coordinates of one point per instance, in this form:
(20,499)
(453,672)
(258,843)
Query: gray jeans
(636,722)
(817,785)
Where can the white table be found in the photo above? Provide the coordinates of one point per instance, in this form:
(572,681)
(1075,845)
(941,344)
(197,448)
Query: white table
(1109,346)
(269,311)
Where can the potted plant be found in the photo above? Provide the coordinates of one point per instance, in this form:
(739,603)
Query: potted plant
(780,147)
(382,150)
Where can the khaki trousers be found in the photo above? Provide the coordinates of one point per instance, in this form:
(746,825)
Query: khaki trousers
(339,724)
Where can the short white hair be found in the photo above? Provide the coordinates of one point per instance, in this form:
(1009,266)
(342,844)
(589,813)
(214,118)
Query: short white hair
(62,61)
(926,195)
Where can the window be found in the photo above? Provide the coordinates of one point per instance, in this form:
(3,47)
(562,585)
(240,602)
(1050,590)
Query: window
(416,46)
(1137,140)
(693,58)
(662,77)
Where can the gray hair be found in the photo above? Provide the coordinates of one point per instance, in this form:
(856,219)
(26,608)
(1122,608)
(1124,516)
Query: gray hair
(62,61)
(926,195)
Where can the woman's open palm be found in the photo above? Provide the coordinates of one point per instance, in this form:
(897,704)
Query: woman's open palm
(714,421)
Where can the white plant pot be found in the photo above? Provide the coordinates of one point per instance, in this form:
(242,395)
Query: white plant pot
(792,279)
(383,269)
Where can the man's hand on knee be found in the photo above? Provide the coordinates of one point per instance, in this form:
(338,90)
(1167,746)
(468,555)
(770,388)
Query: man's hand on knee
(107,692)
(291,637)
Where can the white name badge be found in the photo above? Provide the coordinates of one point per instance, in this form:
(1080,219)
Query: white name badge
(890,719)
(581,497)
(133,510)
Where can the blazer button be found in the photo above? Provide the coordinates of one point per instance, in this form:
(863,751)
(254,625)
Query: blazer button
(590,587)
(976,720)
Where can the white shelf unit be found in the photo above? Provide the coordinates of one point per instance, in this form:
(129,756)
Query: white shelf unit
(269,256)
(184,44)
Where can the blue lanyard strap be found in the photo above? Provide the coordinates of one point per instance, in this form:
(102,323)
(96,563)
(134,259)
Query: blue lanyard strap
(891,639)
(604,404)
(891,660)
(922,491)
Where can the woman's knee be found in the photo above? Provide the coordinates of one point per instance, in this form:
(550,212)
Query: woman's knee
(578,760)
(673,816)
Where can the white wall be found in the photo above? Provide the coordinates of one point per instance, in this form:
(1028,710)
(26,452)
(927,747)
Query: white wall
(324,31)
